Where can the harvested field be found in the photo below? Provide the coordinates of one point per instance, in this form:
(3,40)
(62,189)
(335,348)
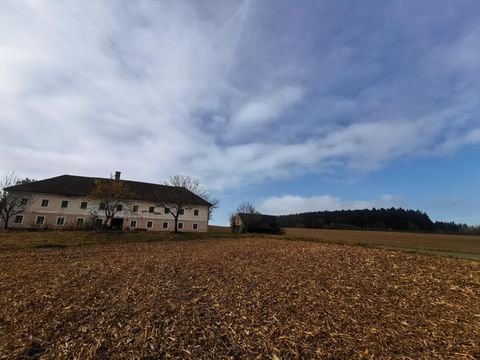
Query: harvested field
(242,298)
(14,240)
(435,243)
(219,229)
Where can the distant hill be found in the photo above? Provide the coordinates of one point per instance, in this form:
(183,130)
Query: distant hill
(373,219)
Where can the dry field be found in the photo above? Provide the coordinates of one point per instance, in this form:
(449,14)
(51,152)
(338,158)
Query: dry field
(236,298)
(454,245)
(219,229)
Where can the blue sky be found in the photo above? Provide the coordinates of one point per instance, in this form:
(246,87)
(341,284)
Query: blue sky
(294,106)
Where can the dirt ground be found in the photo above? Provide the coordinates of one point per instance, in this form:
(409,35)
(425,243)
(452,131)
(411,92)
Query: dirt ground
(237,298)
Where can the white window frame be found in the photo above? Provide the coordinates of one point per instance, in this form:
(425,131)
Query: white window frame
(196,212)
(47,203)
(195,226)
(15,218)
(180,227)
(135,222)
(151,224)
(36,220)
(84,202)
(83,221)
(163,225)
(58,218)
(61,204)
(99,220)
(135,207)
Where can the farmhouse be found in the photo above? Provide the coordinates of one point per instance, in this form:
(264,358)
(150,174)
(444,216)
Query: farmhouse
(64,202)
(258,223)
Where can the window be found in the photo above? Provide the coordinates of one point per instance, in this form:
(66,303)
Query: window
(102,206)
(18,219)
(83,205)
(60,221)
(133,224)
(98,222)
(195,212)
(135,208)
(180,226)
(45,203)
(119,207)
(151,209)
(181,211)
(165,225)
(149,224)
(80,222)
(195,226)
(39,220)
(24,201)
(64,204)
(167,210)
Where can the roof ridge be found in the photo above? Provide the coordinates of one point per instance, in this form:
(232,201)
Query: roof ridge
(75,185)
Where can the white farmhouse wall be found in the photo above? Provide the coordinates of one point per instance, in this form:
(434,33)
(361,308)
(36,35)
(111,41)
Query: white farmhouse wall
(73,212)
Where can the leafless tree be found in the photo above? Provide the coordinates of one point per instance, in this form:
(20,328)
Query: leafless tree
(12,203)
(181,198)
(113,196)
(246,207)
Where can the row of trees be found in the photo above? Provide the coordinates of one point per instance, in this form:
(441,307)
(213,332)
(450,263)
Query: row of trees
(373,219)
(111,195)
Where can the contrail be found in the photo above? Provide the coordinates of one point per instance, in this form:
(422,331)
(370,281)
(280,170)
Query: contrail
(234,26)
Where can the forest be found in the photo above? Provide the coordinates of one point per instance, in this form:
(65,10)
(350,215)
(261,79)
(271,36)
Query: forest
(396,219)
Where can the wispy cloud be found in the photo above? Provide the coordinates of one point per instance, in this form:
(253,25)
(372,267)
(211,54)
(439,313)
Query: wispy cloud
(232,92)
(273,106)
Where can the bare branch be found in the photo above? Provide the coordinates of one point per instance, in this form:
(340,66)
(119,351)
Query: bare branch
(12,202)
(246,208)
(111,194)
(181,198)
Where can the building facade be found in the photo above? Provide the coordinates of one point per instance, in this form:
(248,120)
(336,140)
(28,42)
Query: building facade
(64,202)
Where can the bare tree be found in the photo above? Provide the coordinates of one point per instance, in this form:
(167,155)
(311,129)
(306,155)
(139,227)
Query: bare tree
(181,198)
(214,202)
(12,203)
(113,196)
(233,218)
(246,207)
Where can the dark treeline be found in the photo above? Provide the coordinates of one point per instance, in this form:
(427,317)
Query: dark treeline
(374,219)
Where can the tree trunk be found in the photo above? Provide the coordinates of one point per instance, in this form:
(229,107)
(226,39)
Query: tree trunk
(104,227)
(5,225)
(176,224)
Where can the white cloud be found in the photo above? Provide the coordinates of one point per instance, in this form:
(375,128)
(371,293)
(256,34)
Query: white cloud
(269,107)
(289,204)
(163,87)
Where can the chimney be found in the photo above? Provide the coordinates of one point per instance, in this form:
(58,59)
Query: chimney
(117,175)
